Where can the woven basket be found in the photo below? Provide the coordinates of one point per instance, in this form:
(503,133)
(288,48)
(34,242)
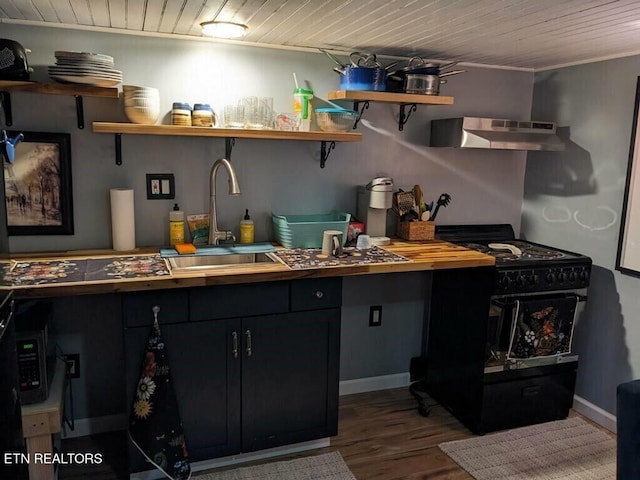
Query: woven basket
(416,230)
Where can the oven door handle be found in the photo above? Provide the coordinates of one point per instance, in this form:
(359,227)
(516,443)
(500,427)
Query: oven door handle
(4,324)
(504,303)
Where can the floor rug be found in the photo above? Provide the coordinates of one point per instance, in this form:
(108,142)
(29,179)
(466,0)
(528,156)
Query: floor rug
(570,449)
(328,466)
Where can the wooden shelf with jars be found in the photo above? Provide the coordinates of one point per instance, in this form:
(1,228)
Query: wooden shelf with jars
(327,139)
(75,89)
(411,100)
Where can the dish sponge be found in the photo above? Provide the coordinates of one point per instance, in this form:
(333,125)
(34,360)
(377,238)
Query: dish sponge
(185,248)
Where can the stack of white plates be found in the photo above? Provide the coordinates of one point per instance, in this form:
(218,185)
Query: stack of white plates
(87,68)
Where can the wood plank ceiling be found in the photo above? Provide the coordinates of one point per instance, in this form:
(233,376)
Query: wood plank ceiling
(531,34)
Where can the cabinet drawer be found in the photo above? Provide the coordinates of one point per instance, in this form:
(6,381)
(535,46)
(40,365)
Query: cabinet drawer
(136,307)
(316,293)
(230,301)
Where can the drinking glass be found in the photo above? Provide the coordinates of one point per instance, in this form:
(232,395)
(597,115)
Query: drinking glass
(265,107)
(234,116)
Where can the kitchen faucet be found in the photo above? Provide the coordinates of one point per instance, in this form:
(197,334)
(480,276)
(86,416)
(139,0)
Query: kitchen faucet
(234,189)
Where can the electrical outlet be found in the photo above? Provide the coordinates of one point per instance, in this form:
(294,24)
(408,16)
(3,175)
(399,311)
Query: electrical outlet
(375,315)
(73,364)
(160,186)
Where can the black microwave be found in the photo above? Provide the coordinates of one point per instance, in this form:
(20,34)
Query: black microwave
(36,352)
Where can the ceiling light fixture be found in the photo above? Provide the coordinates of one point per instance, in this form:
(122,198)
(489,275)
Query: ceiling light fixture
(223,29)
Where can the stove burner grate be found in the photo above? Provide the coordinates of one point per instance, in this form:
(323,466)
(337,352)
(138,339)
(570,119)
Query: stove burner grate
(529,251)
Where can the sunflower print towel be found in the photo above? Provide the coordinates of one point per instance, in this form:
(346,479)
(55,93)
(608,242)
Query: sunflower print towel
(155,427)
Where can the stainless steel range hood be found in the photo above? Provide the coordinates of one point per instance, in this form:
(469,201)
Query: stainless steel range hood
(492,133)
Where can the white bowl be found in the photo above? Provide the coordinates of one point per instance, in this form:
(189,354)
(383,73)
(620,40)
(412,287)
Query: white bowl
(142,115)
(143,102)
(132,89)
(141,97)
(146,93)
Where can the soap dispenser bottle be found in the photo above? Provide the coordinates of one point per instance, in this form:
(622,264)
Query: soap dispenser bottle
(176,225)
(247,228)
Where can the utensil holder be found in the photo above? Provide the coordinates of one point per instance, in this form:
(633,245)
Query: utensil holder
(416,230)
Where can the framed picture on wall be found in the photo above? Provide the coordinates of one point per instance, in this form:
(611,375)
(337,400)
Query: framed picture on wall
(37,185)
(628,257)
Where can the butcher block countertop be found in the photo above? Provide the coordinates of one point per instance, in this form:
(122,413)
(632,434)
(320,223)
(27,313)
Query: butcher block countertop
(32,275)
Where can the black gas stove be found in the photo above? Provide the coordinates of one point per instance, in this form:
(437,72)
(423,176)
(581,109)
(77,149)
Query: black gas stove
(521,266)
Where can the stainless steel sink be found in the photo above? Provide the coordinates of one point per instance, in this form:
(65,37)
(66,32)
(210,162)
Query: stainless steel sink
(205,262)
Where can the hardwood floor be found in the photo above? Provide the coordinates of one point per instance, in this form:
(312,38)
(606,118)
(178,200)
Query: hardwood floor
(381,437)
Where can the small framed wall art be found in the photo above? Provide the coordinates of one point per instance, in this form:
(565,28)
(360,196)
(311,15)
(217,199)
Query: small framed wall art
(38,189)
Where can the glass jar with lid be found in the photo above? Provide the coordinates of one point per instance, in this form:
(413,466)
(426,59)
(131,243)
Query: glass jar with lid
(202,115)
(181,114)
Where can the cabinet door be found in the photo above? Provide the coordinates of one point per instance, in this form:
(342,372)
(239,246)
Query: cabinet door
(290,368)
(205,375)
(206,378)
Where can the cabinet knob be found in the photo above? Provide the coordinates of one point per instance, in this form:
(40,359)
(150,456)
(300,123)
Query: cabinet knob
(248,334)
(318,294)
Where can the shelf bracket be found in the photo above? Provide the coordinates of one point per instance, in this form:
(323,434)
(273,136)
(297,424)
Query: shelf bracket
(229,143)
(5,100)
(79,111)
(324,151)
(118,138)
(365,106)
(402,119)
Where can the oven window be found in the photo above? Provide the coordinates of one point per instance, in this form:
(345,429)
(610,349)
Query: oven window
(542,327)
(522,328)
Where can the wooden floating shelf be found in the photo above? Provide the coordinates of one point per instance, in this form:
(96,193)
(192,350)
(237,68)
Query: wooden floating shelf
(58,89)
(389,97)
(178,130)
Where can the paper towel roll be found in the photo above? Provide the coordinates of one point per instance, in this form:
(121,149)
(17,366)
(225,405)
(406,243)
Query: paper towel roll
(123,228)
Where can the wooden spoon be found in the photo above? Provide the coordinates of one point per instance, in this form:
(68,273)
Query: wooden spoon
(417,195)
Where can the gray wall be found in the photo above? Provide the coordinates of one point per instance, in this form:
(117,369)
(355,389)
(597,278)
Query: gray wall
(573,200)
(275,176)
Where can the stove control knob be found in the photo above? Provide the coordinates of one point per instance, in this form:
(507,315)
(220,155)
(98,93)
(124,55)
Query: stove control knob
(584,275)
(562,277)
(520,280)
(505,281)
(573,276)
(534,279)
(550,278)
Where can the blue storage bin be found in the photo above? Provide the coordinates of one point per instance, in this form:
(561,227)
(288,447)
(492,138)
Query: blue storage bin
(305,231)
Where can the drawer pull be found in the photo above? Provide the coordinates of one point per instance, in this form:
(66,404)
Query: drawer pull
(531,391)
(248,334)
(234,348)
(318,294)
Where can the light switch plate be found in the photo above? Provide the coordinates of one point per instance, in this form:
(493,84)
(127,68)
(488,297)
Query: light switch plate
(160,186)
